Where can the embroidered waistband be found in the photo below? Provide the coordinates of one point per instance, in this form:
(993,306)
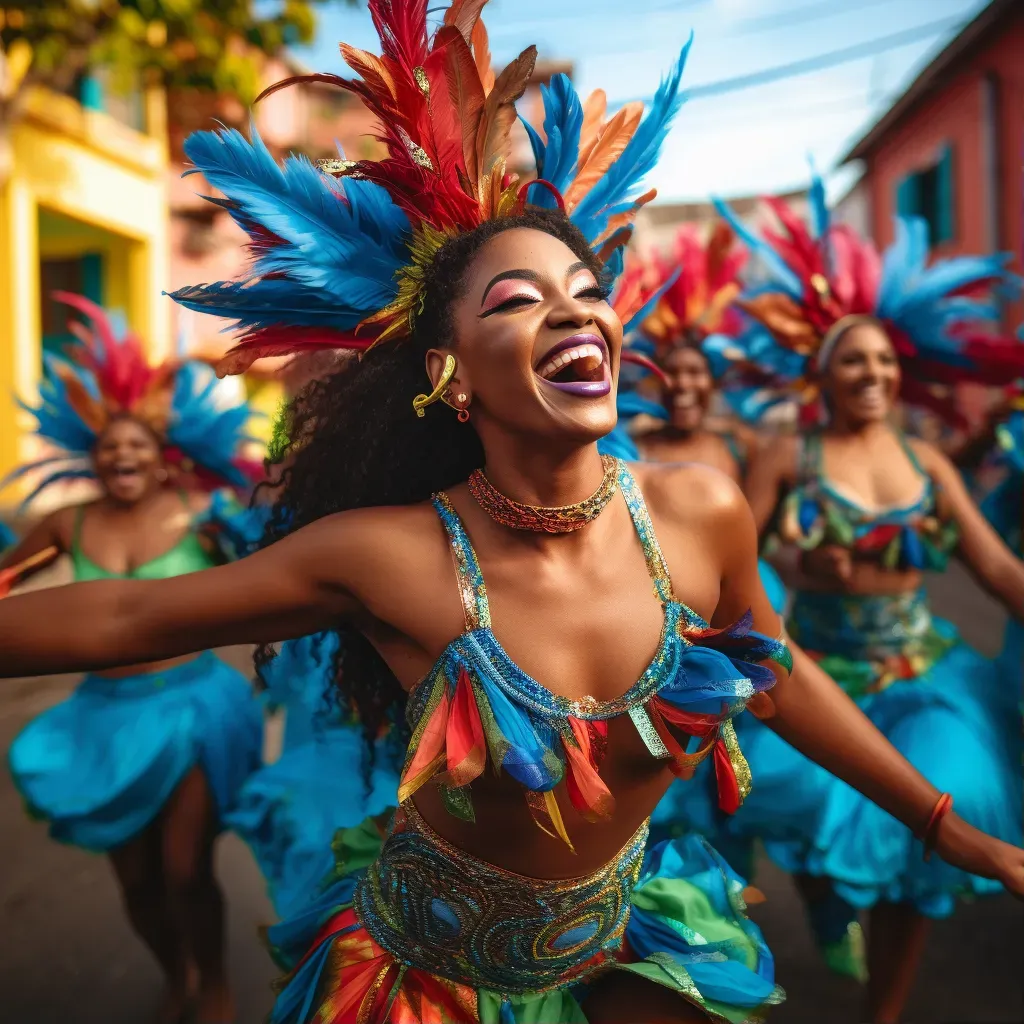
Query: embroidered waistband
(437,908)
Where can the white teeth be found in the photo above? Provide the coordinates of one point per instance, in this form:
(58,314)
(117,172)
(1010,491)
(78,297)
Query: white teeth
(591,356)
(685,401)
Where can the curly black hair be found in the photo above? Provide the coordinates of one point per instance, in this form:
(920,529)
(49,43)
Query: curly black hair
(353,441)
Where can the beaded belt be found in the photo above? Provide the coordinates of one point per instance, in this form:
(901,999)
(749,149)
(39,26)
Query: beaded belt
(436,908)
(866,642)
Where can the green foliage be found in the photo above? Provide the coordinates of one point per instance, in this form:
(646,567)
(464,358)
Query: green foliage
(215,45)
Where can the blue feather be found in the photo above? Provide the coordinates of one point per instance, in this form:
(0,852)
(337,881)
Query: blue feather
(820,217)
(201,427)
(619,445)
(644,311)
(563,121)
(783,277)
(84,473)
(267,302)
(345,242)
(622,179)
(536,144)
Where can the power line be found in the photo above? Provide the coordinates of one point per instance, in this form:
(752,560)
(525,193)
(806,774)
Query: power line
(811,64)
(799,16)
(809,111)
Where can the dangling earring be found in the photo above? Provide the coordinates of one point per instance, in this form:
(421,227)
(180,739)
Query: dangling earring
(162,475)
(462,404)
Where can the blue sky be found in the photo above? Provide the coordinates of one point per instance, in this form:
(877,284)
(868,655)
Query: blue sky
(748,141)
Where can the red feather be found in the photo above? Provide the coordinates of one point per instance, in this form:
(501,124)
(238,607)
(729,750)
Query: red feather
(283,341)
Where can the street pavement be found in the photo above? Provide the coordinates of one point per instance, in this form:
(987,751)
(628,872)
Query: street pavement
(68,957)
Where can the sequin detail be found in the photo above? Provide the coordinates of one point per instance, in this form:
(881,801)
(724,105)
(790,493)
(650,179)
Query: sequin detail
(910,537)
(478,707)
(868,641)
(434,906)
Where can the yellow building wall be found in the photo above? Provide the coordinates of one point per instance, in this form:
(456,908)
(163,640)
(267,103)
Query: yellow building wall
(111,182)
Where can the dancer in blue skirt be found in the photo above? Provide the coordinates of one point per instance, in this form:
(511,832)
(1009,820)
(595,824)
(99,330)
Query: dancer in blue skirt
(141,763)
(848,333)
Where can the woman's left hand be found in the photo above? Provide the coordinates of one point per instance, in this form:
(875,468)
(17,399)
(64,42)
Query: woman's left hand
(966,847)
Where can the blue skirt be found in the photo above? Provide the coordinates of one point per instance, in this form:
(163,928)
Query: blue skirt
(288,812)
(957,724)
(100,765)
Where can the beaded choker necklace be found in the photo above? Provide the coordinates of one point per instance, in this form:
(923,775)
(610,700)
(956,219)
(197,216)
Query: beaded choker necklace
(562,519)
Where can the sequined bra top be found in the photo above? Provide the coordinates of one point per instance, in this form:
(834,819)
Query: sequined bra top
(477,706)
(904,537)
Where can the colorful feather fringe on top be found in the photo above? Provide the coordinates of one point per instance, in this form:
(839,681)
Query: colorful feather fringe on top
(941,317)
(105,375)
(340,252)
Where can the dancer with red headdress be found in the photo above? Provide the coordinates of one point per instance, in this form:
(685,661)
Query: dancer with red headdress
(850,332)
(141,763)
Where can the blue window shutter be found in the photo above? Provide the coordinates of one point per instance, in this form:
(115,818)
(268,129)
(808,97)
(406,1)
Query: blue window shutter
(92,277)
(945,214)
(90,93)
(908,202)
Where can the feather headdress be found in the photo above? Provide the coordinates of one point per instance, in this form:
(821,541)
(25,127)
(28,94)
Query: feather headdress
(340,251)
(940,317)
(105,375)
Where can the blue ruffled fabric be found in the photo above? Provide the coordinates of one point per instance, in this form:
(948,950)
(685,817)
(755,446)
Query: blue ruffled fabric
(1004,509)
(7,536)
(100,765)
(289,811)
(958,724)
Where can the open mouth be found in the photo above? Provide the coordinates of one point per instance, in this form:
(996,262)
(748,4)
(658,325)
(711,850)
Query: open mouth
(125,472)
(685,400)
(577,366)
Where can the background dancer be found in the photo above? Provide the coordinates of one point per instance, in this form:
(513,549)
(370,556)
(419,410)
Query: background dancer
(871,511)
(142,762)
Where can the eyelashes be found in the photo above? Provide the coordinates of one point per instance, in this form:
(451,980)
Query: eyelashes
(516,294)
(506,293)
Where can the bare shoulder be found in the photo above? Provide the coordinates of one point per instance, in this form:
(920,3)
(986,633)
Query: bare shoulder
(61,523)
(379,545)
(198,502)
(932,460)
(689,491)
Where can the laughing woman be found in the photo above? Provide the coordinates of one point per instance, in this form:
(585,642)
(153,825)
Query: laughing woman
(143,760)
(546,613)
(871,511)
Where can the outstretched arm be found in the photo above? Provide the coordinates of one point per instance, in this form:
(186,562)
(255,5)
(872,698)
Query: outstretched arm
(35,551)
(991,562)
(292,588)
(820,720)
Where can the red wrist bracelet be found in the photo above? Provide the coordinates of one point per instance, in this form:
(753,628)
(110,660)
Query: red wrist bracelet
(942,807)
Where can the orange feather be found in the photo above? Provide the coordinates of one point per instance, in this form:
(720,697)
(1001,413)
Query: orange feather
(594,108)
(91,412)
(373,71)
(607,147)
(482,56)
(621,220)
(499,113)
(464,15)
(467,96)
